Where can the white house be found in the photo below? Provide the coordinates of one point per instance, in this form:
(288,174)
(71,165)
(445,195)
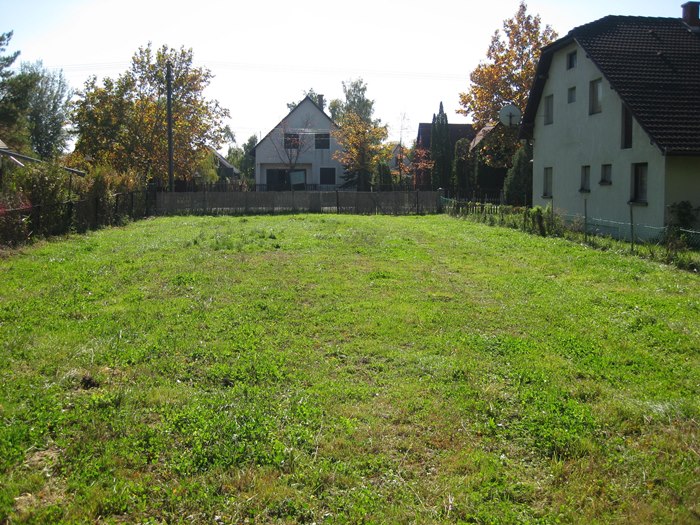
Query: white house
(298,153)
(614,116)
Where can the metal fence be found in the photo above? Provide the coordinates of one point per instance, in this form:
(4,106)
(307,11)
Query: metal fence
(272,202)
(625,231)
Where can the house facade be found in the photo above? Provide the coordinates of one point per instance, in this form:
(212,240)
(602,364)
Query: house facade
(614,116)
(298,153)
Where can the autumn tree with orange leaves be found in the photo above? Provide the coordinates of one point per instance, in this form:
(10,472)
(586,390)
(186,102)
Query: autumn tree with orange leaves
(507,75)
(362,149)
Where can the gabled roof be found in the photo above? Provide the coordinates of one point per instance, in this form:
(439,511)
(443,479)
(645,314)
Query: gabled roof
(654,66)
(279,124)
(457,131)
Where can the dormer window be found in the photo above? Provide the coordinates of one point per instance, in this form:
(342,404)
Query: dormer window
(571,60)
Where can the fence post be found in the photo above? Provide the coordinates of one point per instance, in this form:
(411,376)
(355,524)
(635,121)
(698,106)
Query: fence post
(632,228)
(337,202)
(585,219)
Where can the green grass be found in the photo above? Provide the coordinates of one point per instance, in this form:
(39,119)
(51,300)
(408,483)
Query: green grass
(340,369)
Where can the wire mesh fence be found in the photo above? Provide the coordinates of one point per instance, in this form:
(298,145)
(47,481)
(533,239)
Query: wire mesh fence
(548,222)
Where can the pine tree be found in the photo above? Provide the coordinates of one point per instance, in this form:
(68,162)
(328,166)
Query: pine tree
(517,188)
(440,151)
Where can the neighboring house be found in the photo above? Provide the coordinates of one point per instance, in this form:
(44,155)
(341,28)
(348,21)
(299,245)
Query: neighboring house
(614,115)
(298,153)
(457,131)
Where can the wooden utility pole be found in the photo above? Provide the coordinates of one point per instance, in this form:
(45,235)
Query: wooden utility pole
(171,170)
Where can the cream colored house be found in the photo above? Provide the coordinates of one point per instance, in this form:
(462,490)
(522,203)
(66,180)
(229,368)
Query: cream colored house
(298,153)
(614,116)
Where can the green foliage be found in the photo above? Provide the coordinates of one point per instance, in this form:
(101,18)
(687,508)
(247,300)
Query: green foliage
(122,122)
(517,188)
(463,174)
(356,103)
(48,110)
(243,159)
(15,94)
(440,151)
(447,372)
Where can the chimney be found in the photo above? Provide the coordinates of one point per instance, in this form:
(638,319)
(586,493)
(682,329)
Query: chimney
(691,13)
(319,98)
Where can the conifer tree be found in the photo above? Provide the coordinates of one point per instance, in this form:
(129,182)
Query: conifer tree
(440,151)
(517,188)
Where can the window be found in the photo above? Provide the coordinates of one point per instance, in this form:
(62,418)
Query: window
(585,179)
(548,109)
(626,141)
(639,183)
(323,141)
(595,95)
(327,176)
(291,141)
(571,95)
(571,60)
(606,174)
(547,183)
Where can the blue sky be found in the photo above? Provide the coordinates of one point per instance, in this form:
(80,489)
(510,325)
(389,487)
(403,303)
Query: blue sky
(412,54)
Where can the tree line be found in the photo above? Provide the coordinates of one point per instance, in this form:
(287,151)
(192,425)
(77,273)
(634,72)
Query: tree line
(120,122)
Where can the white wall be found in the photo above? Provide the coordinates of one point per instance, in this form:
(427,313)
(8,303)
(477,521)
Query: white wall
(306,120)
(576,138)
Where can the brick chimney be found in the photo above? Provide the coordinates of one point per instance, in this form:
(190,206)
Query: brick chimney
(319,98)
(691,13)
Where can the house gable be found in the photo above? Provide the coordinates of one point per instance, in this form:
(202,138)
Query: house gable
(298,153)
(653,64)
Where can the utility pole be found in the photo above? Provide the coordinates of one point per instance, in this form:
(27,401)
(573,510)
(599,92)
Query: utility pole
(169,80)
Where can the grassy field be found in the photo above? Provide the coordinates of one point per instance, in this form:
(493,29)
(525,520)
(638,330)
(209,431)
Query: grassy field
(340,369)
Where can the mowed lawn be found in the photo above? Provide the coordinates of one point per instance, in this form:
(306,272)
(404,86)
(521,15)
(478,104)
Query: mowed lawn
(343,369)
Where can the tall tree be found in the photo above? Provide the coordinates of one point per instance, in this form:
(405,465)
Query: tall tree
(463,176)
(123,121)
(440,151)
(506,76)
(15,91)
(362,149)
(48,111)
(356,102)
(517,188)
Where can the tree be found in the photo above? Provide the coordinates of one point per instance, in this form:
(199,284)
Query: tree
(48,110)
(362,149)
(311,93)
(463,176)
(242,158)
(422,166)
(123,121)
(15,91)
(440,151)
(356,102)
(517,188)
(507,75)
